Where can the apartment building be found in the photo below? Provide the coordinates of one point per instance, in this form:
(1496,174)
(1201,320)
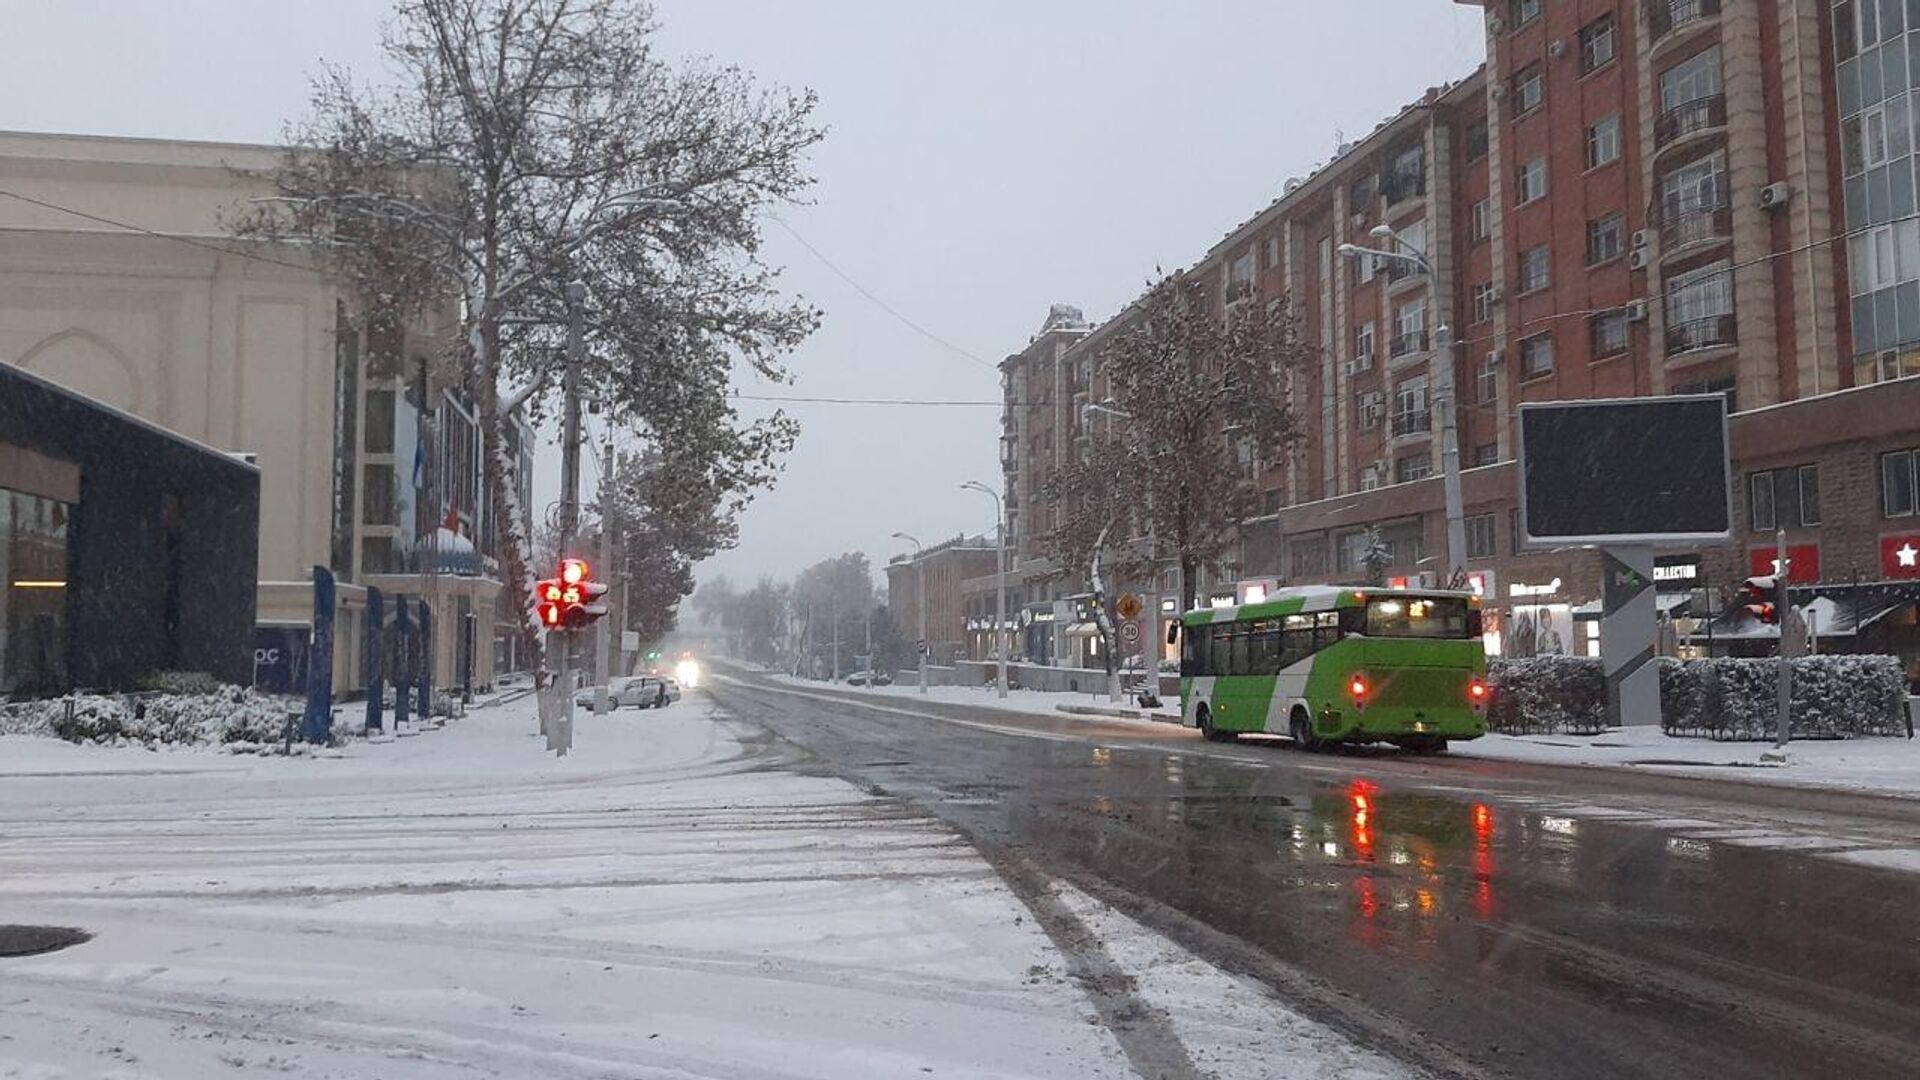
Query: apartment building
(1629,197)
(925,598)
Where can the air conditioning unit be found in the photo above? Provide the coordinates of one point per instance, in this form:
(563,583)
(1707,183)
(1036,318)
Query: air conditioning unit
(1498,91)
(1637,311)
(1641,237)
(1497,358)
(1495,24)
(1775,194)
(1358,219)
(1557,49)
(1637,259)
(1496,295)
(1349,369)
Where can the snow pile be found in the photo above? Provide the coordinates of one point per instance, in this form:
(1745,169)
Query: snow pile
(1546,695)
(1736,698)
(229,717)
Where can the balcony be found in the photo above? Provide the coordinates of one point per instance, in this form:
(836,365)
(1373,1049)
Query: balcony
(1412,423)
(1696,334)
(1690,118)
(1406,344)
(1699,226)
(1666,16)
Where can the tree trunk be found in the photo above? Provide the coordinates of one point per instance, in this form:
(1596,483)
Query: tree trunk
(1102,620)
(509,535)
(1189,574)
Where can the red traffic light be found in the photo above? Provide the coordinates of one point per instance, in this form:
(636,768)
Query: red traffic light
(567,602)
(1757,596)
(574,571)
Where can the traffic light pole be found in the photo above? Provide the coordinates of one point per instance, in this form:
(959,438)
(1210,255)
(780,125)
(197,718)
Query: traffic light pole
(560,736)
(1783,720)
(602,633)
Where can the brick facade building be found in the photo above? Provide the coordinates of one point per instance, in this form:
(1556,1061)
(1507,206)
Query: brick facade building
(940,570)
(1627,198)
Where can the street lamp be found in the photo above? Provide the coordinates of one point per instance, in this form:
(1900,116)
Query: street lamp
(1000,580)
(920,593)
(1153,645)
(1443,397)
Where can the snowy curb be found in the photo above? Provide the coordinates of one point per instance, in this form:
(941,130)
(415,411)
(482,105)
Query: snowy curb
(1119,712)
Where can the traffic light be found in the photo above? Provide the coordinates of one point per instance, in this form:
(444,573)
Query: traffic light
(568,602)
(547,602)
(1757,595)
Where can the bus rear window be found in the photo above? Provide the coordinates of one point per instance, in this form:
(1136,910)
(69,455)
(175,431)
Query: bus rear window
(1418,617)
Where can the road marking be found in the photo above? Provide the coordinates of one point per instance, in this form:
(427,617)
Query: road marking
(979,725)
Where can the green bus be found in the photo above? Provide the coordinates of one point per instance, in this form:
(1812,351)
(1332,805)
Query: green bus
(1328,665)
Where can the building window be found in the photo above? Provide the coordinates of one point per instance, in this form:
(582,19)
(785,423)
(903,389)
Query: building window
(33,621)
(1700,308)
(1898,494)
(1475,138)
(380,497)
(1534,264)
(1784,498)
(1410,467)
(1487,379)
(1363,346)
(1536,356)
(1480,305)
(379,428)
(1369,406)
(1532,181)
(377,555)
(1694,79)
(1485,454)
(1407,176)
(1409,329)
(1529,90)
(1604,237)
(1309,557)
(1524,12)
(1603,141)
(1273,252)
(1480,533)
(1410,413)
(1698,187)
(1607,333)
(1369,477)
(1596,43)
(1482,220)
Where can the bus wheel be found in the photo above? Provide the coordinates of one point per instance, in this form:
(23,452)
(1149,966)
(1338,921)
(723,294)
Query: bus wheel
(1204,717)
(1300,726)
(1427,744)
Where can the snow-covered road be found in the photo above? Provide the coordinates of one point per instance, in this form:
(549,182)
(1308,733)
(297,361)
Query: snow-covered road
(672,900)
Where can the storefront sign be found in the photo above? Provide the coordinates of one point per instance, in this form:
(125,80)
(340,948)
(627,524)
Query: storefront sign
(1803,562)
(1482,583)
(1523,589)
(1900,556)
(1676,573)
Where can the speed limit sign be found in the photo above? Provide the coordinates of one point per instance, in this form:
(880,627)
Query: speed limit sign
(1130,632)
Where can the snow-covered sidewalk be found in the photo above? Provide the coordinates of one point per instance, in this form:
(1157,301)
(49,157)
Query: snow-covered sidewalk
(666,902)
(1884,766)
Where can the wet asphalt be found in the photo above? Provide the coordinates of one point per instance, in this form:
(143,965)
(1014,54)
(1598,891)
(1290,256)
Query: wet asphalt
(1431,907)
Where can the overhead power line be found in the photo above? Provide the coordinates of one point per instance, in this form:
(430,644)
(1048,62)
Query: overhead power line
(204,245)
(879,303)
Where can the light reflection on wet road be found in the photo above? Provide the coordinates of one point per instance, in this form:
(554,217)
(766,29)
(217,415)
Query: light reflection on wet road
(1524,941)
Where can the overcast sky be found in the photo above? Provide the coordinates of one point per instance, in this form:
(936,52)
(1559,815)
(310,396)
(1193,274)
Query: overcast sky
(985,159)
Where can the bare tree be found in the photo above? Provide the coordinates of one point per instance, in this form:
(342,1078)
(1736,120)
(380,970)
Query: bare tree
(1208,393)
(528,144)
(1092,515)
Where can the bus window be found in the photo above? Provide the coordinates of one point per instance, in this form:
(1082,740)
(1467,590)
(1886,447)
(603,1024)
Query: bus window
(1326,629)
(1297,642)
(1417,617)
(1220,657)
(1193,644)
(1266,647)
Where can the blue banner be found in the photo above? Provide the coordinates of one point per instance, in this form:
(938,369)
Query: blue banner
(316,726)
(423,672)
(402,661)
(375,659)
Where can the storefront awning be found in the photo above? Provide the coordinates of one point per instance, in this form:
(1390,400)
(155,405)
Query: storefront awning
(1670,604)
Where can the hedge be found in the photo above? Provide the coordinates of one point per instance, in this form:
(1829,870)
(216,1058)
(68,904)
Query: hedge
(1833,697)
(1546,695)
(1722,698)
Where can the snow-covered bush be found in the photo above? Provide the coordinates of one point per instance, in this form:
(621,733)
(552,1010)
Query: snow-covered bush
(1738,698)
(1546,695)
(230,717)
(179,682)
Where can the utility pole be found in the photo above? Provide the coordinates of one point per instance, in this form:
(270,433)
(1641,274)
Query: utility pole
(1783,722)
(603,634)
(1000,580)
(1444,399)
(833,612)
(560,737)
(870,667)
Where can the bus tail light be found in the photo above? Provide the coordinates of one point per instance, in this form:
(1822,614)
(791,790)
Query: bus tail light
(1357,687)
(1477,692)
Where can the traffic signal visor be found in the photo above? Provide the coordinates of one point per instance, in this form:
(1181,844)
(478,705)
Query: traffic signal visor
(1757,597)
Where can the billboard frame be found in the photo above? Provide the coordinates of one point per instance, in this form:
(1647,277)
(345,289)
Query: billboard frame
(1530,542)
